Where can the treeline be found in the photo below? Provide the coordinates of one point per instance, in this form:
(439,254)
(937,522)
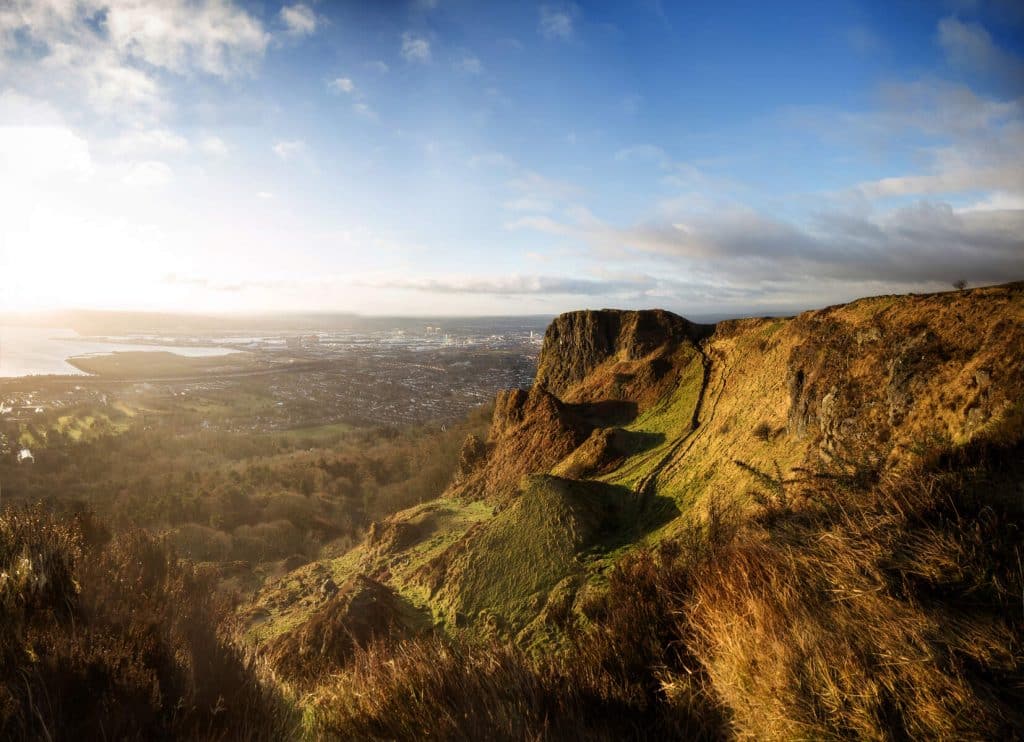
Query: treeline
(244,497)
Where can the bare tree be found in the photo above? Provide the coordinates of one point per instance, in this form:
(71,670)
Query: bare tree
(960,284)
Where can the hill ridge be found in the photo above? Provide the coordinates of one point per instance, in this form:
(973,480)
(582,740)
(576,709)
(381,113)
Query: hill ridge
(659,418)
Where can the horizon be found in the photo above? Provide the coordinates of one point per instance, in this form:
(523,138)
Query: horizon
(66,314)
(436,158)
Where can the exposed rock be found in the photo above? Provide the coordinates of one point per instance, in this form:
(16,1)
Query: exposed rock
(328,588)
(530,432)
(600,452)
(397,533)
(828,421)
(473,453)
(913,358)
(577,342)
(799,405)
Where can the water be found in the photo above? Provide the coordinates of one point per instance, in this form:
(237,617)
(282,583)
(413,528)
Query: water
(45,350)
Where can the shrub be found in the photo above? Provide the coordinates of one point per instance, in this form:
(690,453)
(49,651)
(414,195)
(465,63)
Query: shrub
(116,639)
(201,543)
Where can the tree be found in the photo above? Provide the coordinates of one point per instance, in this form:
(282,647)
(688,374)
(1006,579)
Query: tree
(960,284)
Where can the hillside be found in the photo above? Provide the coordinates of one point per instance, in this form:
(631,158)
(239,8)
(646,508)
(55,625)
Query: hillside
(643,429)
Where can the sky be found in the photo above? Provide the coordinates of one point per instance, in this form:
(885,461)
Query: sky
(437,157)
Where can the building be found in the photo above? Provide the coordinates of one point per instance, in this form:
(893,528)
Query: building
(25,456)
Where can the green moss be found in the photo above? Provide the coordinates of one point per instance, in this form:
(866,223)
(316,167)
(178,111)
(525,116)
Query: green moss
(508,570)
(668,420)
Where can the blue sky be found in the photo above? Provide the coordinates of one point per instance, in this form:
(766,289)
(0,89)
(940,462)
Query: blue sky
(448,157)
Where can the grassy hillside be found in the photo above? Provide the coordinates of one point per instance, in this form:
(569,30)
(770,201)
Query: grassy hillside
(803,528)
(652,439)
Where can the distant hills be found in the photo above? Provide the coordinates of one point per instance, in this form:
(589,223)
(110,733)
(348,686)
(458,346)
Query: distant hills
(99,322)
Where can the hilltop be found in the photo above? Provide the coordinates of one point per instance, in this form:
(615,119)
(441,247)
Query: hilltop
(643,433)
(770,528)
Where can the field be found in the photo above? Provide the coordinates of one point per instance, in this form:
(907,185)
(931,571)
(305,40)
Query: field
(161,364)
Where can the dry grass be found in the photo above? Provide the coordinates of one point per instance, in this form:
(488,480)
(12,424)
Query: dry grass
(612,683)
(889,613)
(114,639)
(429,688)
(888,610)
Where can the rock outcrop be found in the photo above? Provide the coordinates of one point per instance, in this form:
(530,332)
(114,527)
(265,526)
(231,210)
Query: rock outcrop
(530,431)
(576,343)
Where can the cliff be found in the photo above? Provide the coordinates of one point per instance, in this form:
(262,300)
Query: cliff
(577,343)
(640,423)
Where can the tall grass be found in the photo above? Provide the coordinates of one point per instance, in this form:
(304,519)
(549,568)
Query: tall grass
(114,639)
(871,610)
(889,612)
(888,608)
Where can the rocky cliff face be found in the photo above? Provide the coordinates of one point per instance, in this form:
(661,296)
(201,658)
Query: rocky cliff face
(576,343)
(530,431)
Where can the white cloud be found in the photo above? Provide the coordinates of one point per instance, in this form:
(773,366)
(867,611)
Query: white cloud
(41,153)
(214,146)
(286,149)
(364,110)
(211,36)
(113,51)
(110,85)
(469,64)
(342,85)
(997,201)
(969,46)
(264,195)
(1009,177)
(378,66)
(148,174)
(557,22)
(36,145)
(517,285)
(976,143)
(148,140)
(926,243)
(415,48)
(299,20)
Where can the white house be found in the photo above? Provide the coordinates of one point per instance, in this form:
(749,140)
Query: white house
(26,455)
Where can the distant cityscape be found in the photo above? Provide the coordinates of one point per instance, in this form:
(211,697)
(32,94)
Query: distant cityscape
(409,374)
